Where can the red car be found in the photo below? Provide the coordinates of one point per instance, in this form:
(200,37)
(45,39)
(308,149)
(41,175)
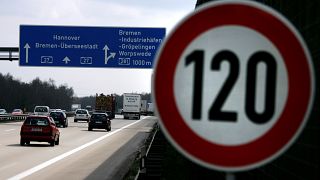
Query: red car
(40,129)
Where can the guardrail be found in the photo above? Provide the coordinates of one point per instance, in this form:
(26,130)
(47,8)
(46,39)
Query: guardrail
(152,157)
(13,117)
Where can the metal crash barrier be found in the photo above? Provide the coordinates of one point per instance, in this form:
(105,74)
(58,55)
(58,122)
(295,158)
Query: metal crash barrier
(10,117)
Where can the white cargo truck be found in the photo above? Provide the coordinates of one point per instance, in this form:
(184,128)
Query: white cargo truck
(144,107)
(74,107)
(131,106)
(150,109)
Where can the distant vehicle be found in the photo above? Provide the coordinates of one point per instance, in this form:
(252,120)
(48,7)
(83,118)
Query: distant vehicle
(3,111)
(56,110)
(42,110)
(60,118)
(131,106)
(150,109)
(74,107)
(106,104)
(17,112)
(81,115)
(99,121)
(40,129)
(89,108)
(143,107)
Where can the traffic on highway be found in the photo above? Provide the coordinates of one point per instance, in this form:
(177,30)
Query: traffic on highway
(36,148)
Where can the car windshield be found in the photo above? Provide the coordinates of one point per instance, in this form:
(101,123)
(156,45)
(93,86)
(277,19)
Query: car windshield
(36,121)
(41,109)
(81,112)
(99,117)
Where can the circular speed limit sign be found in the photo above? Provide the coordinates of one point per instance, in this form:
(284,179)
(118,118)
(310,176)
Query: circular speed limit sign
(233,85)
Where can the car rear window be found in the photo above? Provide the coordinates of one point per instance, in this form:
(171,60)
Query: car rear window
(36,121)
(99,117)
(56,114)
(81,112)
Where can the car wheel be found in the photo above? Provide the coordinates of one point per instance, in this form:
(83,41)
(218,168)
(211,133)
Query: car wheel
(22,142)
(89,128)
(109,127)
(75,120)
(28,142)
(57,141)
(52,143)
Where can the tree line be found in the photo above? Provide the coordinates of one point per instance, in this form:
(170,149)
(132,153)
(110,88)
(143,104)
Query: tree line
(15,94)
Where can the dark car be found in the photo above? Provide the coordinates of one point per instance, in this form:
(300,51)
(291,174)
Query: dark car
(40,129)
(60,118)
(99,121)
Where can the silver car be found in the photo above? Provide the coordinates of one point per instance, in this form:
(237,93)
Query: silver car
(3,111)
(81,115)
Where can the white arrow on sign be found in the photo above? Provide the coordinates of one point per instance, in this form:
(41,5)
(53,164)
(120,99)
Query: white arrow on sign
(27,49)
(66,60)
(106,57)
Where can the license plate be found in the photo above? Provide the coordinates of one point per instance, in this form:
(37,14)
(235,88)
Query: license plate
(36,130)
(98,122)
(57,122)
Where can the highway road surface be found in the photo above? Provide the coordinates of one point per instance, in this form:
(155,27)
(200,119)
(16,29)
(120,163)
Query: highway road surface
(82,154)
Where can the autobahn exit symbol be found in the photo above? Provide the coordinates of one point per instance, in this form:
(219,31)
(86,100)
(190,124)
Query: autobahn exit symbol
(233,85)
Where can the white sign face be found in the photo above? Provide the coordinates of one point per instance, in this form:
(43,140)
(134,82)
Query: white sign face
(243,43)
(233,85)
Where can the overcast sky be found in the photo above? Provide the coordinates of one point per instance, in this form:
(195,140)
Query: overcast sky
(87,81)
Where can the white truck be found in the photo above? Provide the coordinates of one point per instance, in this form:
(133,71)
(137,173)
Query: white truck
(144,107)
(150,109)
(131,106)
(74,107)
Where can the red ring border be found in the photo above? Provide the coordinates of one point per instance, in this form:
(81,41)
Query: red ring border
(299,80)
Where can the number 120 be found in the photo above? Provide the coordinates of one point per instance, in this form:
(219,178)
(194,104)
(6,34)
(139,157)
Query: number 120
(215,111)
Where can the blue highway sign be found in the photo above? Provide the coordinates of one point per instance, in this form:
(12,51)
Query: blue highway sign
(76,46)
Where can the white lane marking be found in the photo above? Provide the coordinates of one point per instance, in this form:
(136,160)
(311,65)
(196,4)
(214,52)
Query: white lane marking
(9,130)
(62,156)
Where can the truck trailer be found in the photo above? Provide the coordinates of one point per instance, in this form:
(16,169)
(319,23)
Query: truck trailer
(131,106)
(144,107)
(106,103)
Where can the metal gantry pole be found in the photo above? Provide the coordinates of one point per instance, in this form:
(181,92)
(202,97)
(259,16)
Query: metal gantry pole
(9,53)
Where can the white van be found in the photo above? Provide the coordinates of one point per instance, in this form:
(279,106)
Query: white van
(42,110)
